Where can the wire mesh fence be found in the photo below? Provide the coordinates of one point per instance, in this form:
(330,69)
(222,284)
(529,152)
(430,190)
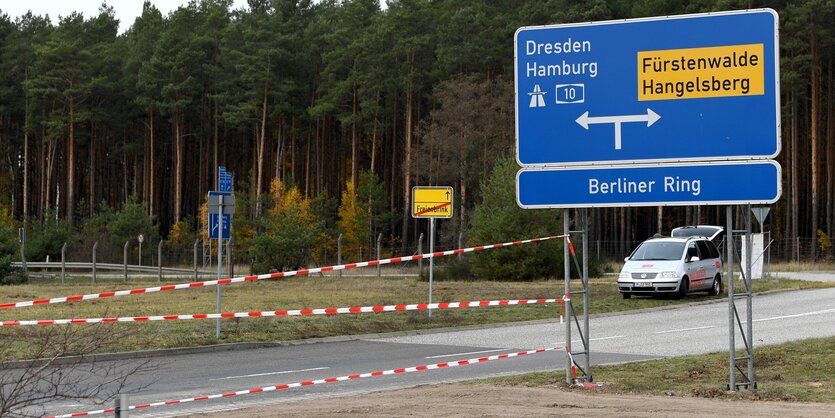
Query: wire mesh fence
(199,260)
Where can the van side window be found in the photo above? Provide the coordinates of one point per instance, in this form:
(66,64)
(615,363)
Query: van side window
(692,251)
(714,253)
(704,250)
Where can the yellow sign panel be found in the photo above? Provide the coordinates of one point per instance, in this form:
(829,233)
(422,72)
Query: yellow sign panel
(691,73)
(432,202)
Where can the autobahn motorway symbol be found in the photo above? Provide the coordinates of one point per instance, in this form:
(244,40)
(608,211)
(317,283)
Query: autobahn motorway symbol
(703,87)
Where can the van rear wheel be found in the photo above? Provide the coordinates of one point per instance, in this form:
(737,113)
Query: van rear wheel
(716,289)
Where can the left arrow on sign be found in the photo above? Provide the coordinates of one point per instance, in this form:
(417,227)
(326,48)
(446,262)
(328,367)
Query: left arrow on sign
(585,120)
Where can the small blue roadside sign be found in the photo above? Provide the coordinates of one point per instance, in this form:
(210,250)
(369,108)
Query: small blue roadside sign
(224,180)
(677,88)
(709,183)
(220,226)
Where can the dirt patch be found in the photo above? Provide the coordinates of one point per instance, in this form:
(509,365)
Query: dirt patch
(461,400)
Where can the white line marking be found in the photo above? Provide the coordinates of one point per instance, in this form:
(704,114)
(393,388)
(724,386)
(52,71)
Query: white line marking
(592,339)
(795,315)
(466,354)
(270,373)
(606,338)
(684,329)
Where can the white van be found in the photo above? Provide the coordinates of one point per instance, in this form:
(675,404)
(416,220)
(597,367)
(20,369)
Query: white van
(687,261)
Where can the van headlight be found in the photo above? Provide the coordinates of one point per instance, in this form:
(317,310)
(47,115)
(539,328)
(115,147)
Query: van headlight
(623,275)
(668,275)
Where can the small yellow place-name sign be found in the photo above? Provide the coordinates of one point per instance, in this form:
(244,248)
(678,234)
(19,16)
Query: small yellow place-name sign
(692,73)
(431,202)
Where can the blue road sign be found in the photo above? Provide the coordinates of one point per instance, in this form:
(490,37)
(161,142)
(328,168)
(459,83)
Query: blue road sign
(224,180)
(677,88)
(717,183)
(220,226)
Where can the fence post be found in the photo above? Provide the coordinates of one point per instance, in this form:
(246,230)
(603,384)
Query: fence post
(22,239)
(126,260)
(229,270)
(63,262)
(196,242)
(420,260)
(122,406)
(159,260)
(797,249)
(339,253)
(95,246)
(460,245)
(379,241)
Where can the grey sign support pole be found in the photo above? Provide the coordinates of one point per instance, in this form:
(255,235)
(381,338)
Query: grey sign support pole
(729,278)
(219,261)
(567,270)
(749,296)
(125,259)
(431,260)
(586,339)
(734,320)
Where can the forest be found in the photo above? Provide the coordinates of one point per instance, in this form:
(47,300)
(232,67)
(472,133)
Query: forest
(328,113)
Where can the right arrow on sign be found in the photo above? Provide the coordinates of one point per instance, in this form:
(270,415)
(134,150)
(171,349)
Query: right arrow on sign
(584,120)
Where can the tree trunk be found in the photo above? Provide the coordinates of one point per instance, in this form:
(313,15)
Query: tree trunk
(178,177)
(262,141)
(216,141)
(71,164)
(407,167)
(830,156)
(152,169)
(794,173)
(26,162)
(92,181)
(354,160)
(814,139)
(660,220)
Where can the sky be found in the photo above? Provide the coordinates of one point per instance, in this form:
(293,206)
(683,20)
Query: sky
(126,10)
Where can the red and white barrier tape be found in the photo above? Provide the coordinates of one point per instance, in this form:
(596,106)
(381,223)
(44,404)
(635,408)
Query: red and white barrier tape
(317,382)
(242,279)
(295,312)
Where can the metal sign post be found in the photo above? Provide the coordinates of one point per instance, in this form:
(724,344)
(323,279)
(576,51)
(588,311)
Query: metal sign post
(219,267)
(221,208)
(432,202)
(431,260)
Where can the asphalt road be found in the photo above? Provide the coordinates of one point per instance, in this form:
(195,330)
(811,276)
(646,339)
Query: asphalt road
(680,330)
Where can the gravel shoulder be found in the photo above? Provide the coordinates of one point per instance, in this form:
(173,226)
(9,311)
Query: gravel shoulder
(466,400)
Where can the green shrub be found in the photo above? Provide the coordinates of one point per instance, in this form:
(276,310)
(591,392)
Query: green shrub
(9,275)
(499,219)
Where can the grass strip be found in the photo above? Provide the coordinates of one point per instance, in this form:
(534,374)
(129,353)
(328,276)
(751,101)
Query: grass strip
(318,292)
(797,371)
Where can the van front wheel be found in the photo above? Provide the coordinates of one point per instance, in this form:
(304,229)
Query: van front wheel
(683,288)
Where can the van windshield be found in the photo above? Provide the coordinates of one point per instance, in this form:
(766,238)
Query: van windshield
(650,250)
